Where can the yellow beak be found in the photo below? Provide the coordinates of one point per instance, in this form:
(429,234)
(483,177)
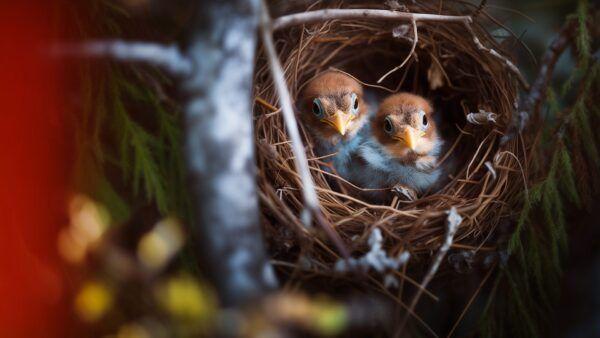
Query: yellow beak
(409,136)
(339,121)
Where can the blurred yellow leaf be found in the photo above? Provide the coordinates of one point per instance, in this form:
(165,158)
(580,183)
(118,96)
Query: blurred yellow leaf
(88,222)
(159,245)
(93,301)
(71,250)
(186,299)
(321,315)
(133,330)
(331,319)
(89,219)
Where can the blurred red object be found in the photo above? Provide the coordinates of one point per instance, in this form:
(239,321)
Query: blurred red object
(35,160)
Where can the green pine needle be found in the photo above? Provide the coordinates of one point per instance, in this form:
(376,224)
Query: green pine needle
(567,177)
(582,124)
(583,39)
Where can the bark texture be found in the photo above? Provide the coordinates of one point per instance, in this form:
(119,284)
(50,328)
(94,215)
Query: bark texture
(220,150)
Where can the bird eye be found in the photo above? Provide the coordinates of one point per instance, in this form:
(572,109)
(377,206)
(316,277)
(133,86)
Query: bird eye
(424,120)
(388,127)
(354,103)
(317,108)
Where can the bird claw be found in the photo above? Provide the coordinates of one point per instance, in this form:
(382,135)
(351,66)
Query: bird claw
(405,192)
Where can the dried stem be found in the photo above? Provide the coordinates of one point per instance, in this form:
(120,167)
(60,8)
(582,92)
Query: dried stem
(412,50)
(452,223)
(532,103)
(168,57)
(470,302)
(341,14)
(511,66)
(344,14)
(308,186)
(538,90)
(479,8)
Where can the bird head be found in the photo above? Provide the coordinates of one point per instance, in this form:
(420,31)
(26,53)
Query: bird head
(332,105)
(404,125)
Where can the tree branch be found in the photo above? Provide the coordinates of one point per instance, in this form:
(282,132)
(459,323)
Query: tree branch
(168,58)
(532,102)
(511,66)
(345,14)
(308,186)
(452,222)
(220,150)
(558,45)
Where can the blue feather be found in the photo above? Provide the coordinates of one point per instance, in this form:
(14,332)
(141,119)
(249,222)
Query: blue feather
(373,168)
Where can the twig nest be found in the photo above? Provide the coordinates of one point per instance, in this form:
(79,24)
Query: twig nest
(450,68)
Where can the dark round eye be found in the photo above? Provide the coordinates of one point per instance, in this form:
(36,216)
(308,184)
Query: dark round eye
(354,104)
(388,126)
(425,120)
(317,108)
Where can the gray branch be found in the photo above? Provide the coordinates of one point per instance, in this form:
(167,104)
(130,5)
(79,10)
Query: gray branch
(220,150)
(452,222)
(533,101)
(346,14)
(538,90)
(504,60)
(168,57)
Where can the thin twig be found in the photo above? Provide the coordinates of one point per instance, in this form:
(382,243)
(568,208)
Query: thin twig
(532,102)
(168,57)
(511,66)
(344,14)
(452,222)
(412,50)
(479,8)
(538,90)
(470,302)
(308,186)
(300,160)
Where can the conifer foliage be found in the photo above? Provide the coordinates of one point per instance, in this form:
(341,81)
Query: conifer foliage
(564,162)
(129,134)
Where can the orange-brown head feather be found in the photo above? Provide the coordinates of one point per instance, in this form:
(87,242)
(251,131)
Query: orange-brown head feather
(404,125)
(332,106)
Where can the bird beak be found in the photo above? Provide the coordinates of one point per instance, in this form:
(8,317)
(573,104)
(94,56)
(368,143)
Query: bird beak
(409,136)
(339,121)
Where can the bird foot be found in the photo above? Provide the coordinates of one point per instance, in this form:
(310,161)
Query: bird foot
(404,192)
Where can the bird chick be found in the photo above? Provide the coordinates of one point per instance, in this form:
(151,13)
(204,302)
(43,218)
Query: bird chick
(333,107)
(334,111)
(403,150)
(406,129)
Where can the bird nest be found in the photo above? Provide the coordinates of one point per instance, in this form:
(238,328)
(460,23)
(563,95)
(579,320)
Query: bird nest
(460,67)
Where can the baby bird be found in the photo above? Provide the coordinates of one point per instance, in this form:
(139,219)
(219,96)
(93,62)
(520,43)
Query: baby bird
(334,111)
(403,150)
